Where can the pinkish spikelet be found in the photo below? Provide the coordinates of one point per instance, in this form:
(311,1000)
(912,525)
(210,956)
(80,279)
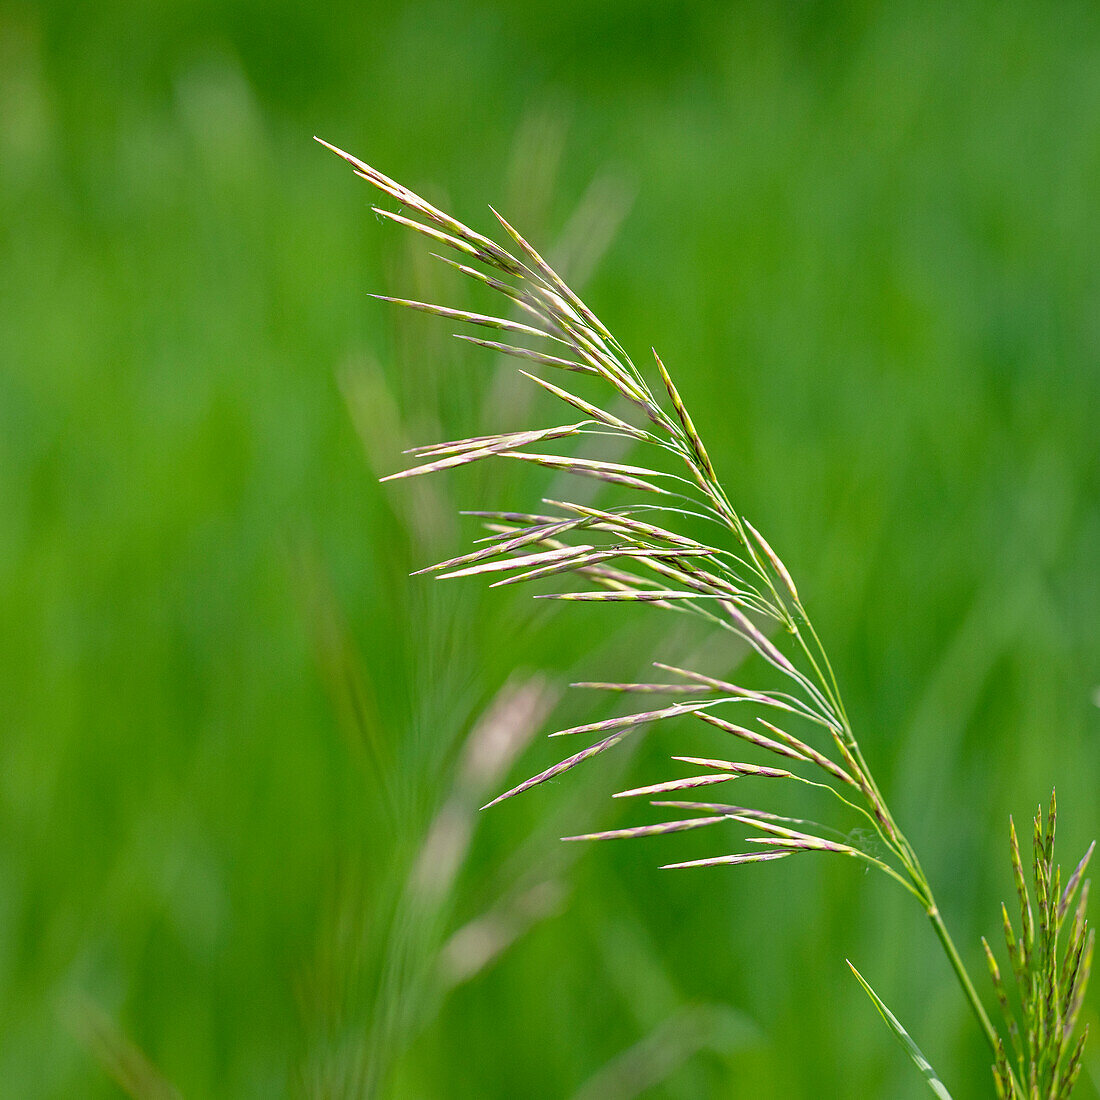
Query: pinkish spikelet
(560,768)
(521,562)
(736,766)
(640,595)
(645,689)
(527,353)
(586,406)
(506,546)
(731,860)
(808,752)
(1074,880)
(774,559)
(717,808)
(501,445)
(648,830)
(464,315)
(485,255)
(575,304)
(597,556)
(617,472)
(640,719)
(685,419)
(806,843)
(759,642)
(755,738)
(627,522)
(678,785)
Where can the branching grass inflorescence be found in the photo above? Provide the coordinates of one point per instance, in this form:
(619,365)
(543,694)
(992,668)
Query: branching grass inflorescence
(735,581)
(1050,983)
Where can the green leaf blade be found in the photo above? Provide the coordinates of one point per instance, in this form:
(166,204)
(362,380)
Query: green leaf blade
(903,1037)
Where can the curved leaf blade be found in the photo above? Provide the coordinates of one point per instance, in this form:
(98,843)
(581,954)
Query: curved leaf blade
(903,1037)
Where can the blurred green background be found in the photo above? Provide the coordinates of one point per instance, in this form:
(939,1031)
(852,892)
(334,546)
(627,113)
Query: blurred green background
(866,240)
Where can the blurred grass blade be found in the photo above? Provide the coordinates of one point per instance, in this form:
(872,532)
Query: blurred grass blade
(119,1056)
(911,1048)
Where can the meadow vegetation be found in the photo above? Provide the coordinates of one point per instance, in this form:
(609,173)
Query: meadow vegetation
(243,752)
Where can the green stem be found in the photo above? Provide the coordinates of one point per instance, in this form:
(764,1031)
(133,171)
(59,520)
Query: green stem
(961,974)
(918,883)
(909,857)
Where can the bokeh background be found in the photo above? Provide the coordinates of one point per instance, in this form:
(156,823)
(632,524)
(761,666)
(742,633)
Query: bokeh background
(240,749)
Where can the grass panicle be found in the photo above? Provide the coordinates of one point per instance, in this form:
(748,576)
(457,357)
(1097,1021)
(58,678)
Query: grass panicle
(1050,979)
(621,552)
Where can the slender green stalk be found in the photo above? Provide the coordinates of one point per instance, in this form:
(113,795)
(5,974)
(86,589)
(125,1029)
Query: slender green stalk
(961,973)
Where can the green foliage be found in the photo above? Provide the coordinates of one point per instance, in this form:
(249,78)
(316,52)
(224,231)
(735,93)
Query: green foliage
(230,720)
